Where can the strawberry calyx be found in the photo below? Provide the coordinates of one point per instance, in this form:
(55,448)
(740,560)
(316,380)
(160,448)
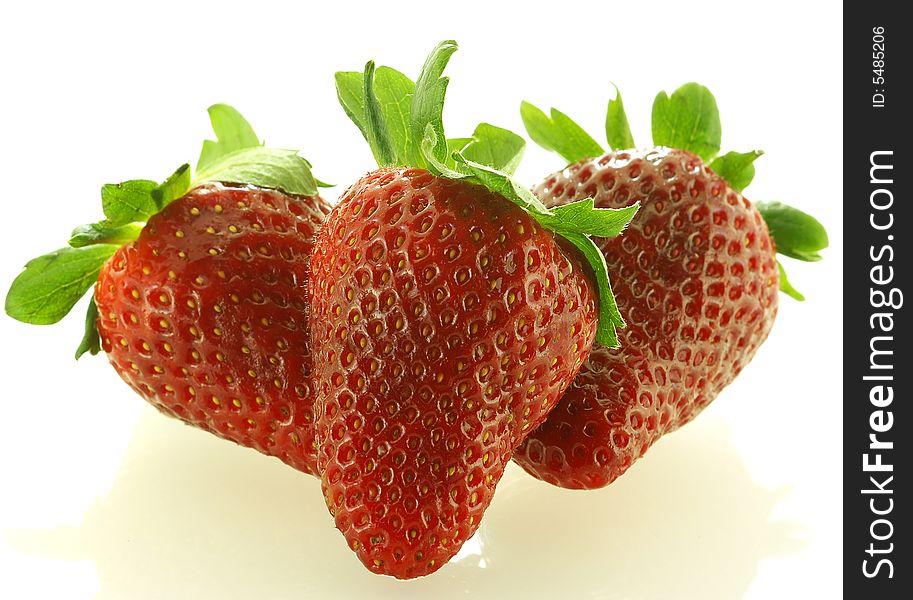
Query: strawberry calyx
(689,120)
(402,122)
(53,283)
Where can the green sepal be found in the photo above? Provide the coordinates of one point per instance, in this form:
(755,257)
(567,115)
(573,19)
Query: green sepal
(103,233)
(264,167)
(688,120)
(375,124)
(429,151)
(795,233)
(51,284)
(610,319)
(493,146)
(233,132)
(575,222)
(558,133)
(129,201)
(90,341)
(786,287)
(503,184)
(582,216)
(736,168)
(393,92)
(428,102)
(172,188)
(617,129)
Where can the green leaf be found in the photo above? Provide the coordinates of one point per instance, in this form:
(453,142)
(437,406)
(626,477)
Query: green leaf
(51,284)
(689,120)
(617,130)
(495,147)
(609,318)
(90,342)
(104,233)
(795,233)
(129,201)
(375,124)
(350,90)
(457,145)
(558,133)
(429,152)
(233,132)
(582,216)
(172,188)
(736,168)
(786,287)
(428,102)
(394,94)
(264,167)
(503,184)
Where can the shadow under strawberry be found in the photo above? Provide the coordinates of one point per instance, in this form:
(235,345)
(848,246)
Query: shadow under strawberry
(232,524)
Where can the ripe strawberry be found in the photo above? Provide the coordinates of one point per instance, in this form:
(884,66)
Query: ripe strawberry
(695,275)
(203,311)
(447,320)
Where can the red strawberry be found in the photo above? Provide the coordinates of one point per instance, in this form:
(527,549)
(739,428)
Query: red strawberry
(447,321)
(205,315)
(205,312)
(695,276)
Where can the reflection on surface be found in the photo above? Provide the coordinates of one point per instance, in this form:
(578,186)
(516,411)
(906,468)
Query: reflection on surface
(190,516)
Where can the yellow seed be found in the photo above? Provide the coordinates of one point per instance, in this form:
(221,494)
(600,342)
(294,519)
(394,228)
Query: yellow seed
(245,349)
(195,211)
(216,401)
(218,208)
(191,304)
(123,342)
(217,332)
(233,229)
(252,373)
(236,402)
(179,233)
(158,369)
(168,347)
(164,324)
(146,270)
(210,229)
(135,294)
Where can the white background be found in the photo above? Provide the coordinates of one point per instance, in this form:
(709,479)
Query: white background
(102,496)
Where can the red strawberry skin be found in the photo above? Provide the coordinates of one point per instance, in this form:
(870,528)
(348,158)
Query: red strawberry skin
(446,324)
(696,280)
(205,315)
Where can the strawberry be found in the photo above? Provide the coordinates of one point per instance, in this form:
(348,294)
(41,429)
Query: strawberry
(203,309)
(695,275)
(450,310)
